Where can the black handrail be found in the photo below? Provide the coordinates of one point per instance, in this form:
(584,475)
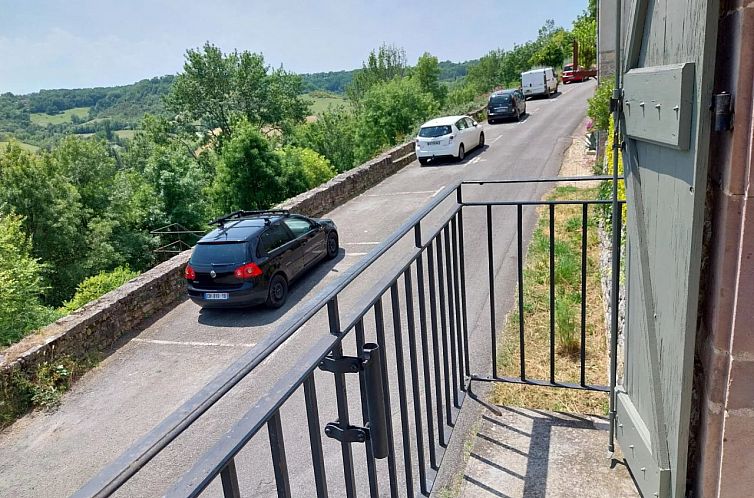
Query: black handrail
(140,453)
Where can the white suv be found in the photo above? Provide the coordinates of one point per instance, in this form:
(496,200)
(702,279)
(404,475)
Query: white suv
(448,136)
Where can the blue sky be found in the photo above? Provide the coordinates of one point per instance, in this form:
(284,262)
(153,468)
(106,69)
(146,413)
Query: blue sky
(84,43)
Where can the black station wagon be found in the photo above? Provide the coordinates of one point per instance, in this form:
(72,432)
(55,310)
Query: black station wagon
(252,257)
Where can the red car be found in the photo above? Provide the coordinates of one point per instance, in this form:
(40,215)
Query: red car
(579,74)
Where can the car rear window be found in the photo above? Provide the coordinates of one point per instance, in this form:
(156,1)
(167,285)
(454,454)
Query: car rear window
(225,253)
(434,131)
(568,68)
(500,99)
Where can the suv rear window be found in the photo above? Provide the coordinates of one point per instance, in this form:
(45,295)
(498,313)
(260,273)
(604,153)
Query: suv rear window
(434,131)
(229,253)
(500,99)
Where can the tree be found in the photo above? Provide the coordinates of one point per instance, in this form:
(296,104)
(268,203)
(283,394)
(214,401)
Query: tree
(585,34)
(22,284)
(249,174)
(390,112)
(550,54)
(427,74)
(388,62)
(52,214)
(216,89)
(89,167)
(333,135)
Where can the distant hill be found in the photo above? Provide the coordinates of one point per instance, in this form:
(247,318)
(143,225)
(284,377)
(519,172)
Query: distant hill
(337,81)
(42,117)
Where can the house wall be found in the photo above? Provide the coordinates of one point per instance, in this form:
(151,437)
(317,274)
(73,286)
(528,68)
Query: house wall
(721,464)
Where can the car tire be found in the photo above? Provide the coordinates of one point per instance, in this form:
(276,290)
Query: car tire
(491,121)
(277,292)
(332,245)
(423,160)
(481,140)
(461,153)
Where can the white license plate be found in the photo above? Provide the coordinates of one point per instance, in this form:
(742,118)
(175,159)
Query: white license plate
(215,296)
(434,143)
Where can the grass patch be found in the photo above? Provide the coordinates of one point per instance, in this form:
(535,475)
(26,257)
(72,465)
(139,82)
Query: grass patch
(128,134)
(25,146)
(44,119)
(322,101)
(567,314)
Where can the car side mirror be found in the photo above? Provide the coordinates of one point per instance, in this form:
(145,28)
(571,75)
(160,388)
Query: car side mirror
(475,124)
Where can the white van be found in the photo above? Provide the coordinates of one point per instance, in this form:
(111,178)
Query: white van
(539,82)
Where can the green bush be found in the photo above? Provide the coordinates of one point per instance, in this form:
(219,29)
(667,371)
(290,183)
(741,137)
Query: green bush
(333,135)
(21,284)
(565,322)
(599,105)
(97,286)
(303,169)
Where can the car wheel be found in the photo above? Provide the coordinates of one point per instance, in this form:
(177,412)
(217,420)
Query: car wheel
(461,153)
(547,93)
(332,245)
(277,292)
(423,160)
(490,121)
(481,139)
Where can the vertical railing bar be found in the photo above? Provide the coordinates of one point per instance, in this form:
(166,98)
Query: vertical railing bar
(446,362)
(379,325)
(400,367)
(371,467)
(435,341)
(411,331)
(614,300)
(552,293)
(277,449)
(463,291)
(451,319)
(457,296)
(425,359)
(341,395)
(229,479)
(521,317)
(491,278)
(582,355)
(315,436)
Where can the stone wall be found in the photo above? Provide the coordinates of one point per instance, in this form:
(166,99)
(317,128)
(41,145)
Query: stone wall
(606,261)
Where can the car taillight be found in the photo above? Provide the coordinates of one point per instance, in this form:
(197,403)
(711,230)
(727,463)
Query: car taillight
(189,273)
(248,270)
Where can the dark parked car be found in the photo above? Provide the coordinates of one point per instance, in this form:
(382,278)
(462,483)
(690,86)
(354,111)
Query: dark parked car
(506,104)
(252,257)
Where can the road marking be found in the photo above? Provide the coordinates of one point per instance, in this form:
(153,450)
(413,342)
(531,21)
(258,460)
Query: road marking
(360,243)
(496,139)
(399,193)
(474,161)
(356,253)
(438,191)
(192,343)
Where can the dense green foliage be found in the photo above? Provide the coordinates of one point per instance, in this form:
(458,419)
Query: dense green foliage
(97,286)
(21,282)
(215,89)
(304,169)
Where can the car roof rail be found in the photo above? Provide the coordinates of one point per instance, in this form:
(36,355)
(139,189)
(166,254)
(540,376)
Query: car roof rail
(241,214)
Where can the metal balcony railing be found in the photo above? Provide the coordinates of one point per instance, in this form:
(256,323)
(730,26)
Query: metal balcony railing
(406,346)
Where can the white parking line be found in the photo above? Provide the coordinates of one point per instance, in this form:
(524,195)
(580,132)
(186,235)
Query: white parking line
(192,343)
(399,193)
(438,191)
(496,139)
(356,253)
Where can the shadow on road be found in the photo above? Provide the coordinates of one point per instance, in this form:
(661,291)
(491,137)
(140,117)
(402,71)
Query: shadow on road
(254,316)
(501,121)
(452,161)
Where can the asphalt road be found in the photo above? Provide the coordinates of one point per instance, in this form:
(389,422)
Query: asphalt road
(53,454)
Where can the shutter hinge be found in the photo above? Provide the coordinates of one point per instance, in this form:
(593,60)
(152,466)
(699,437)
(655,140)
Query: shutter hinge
(616,100)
